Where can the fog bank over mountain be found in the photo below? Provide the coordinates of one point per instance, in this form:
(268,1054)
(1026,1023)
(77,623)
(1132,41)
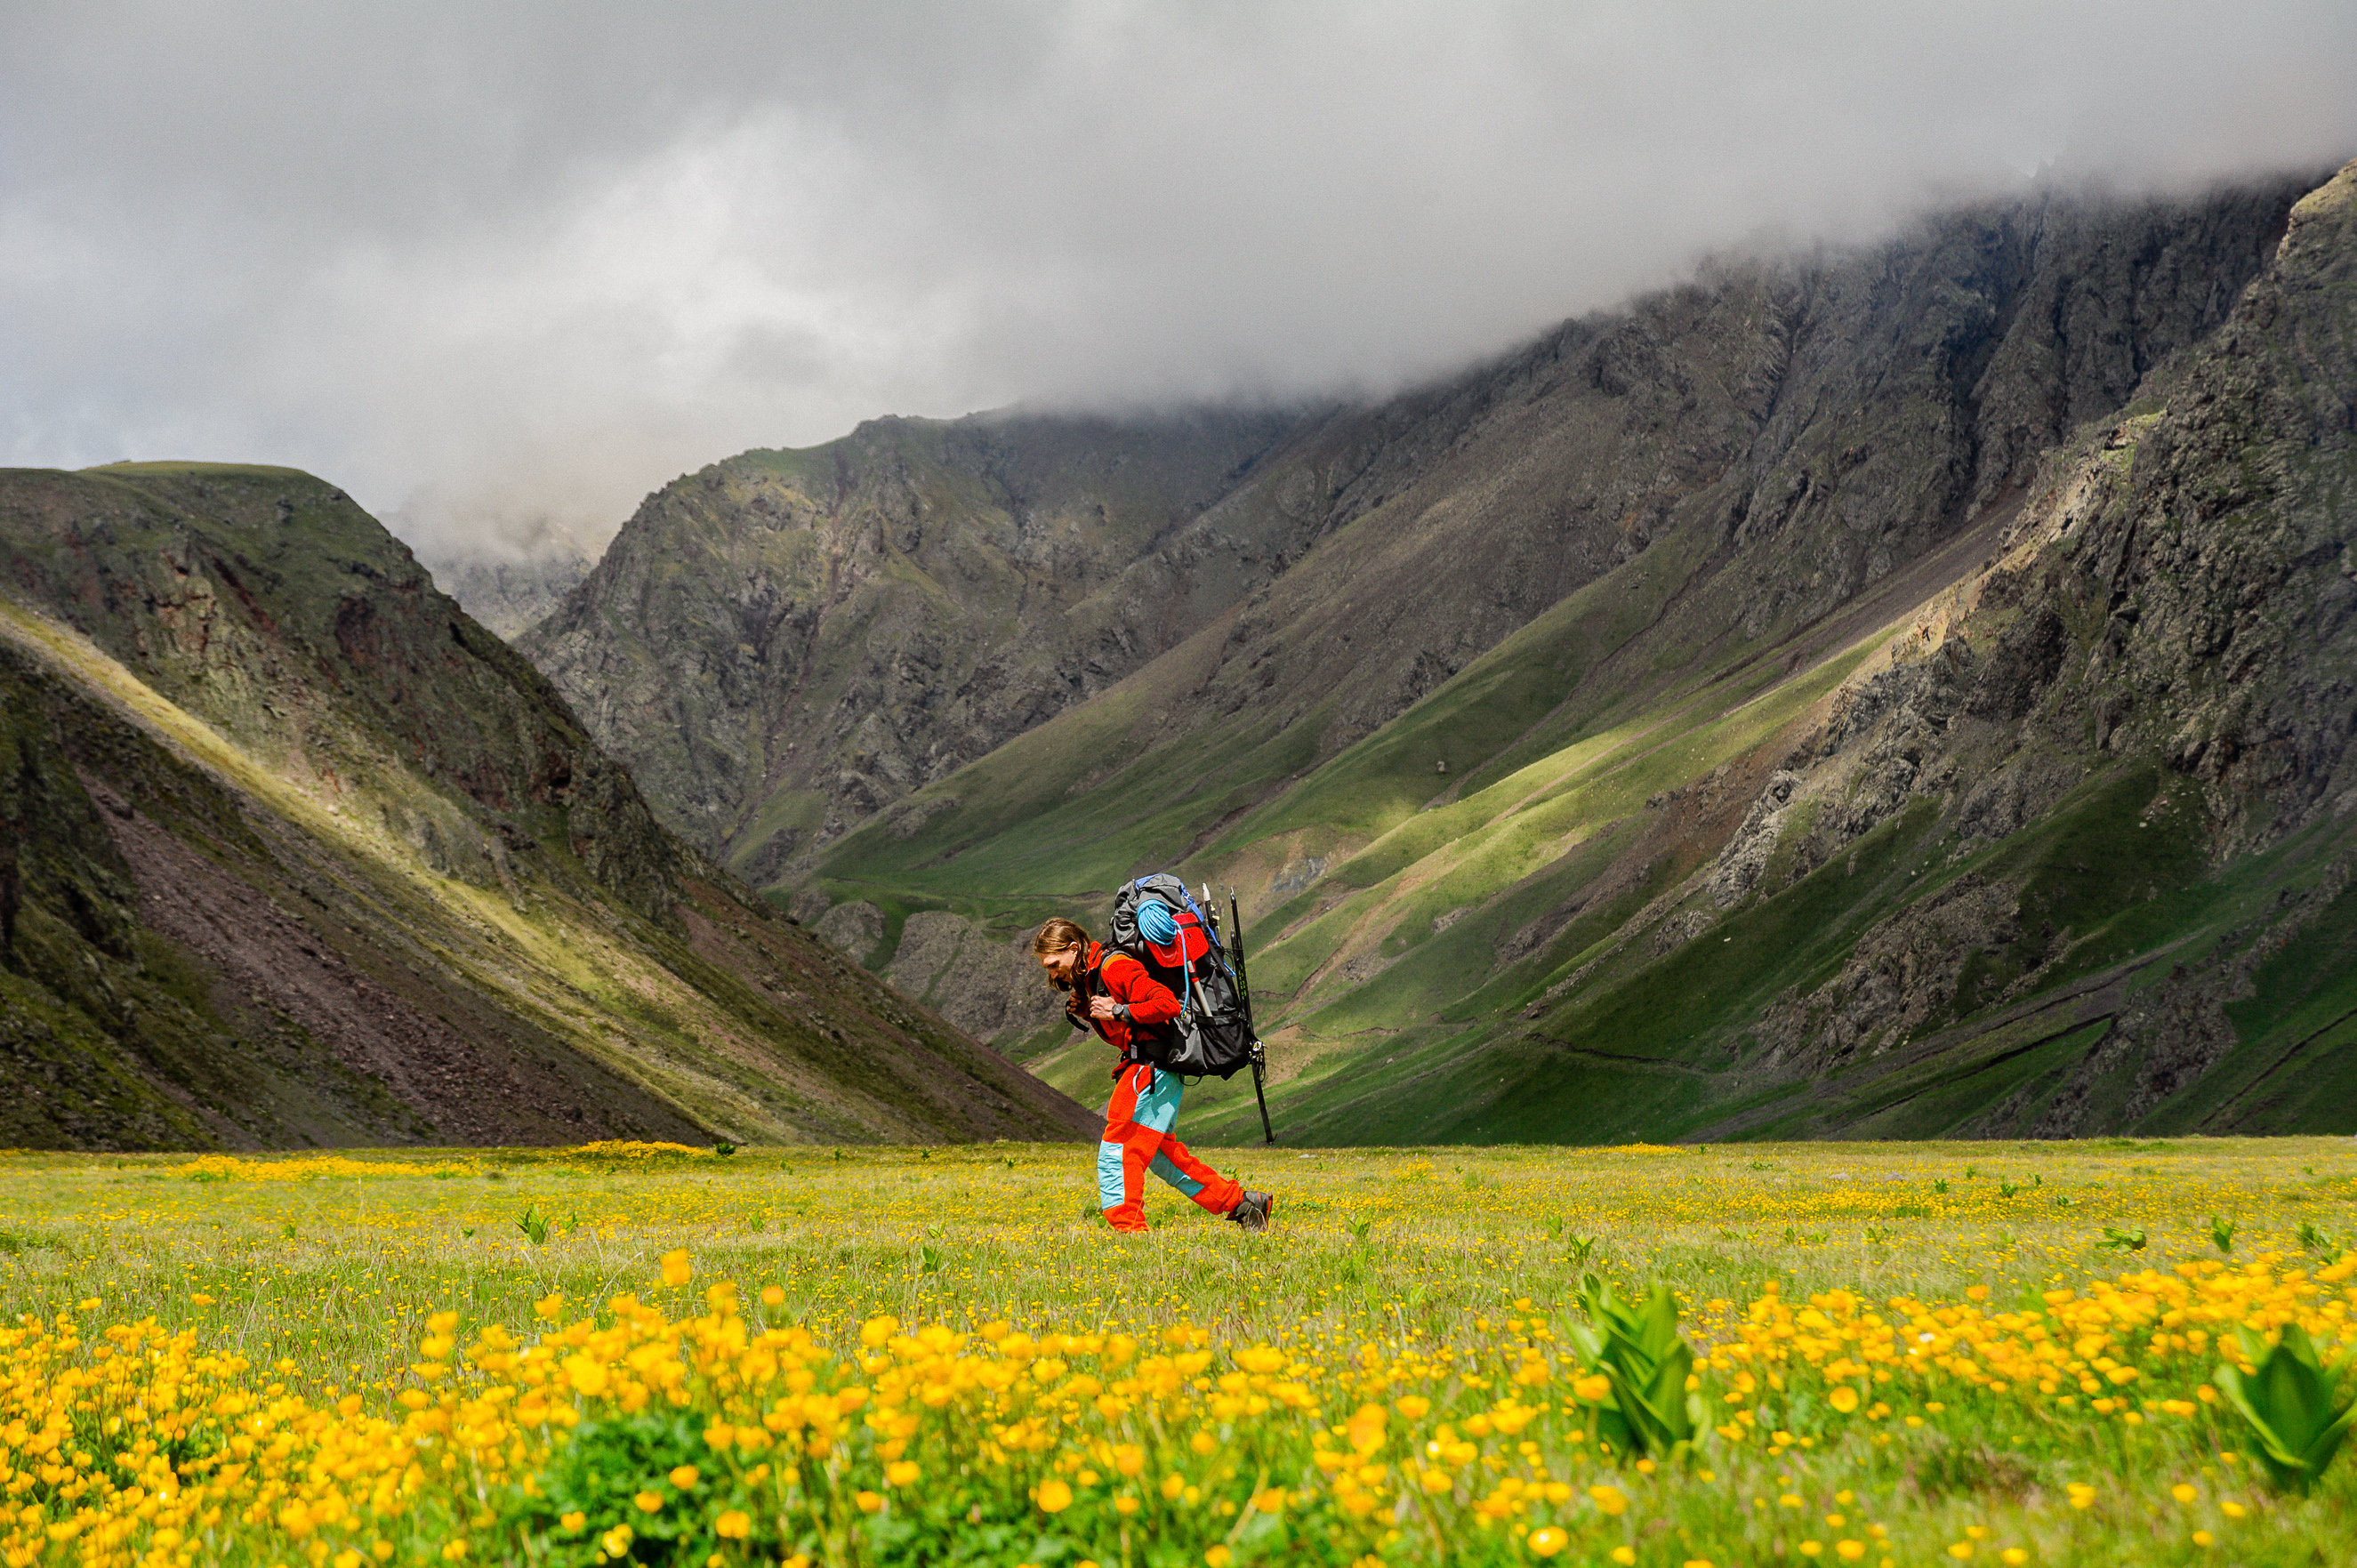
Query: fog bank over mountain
(503,270)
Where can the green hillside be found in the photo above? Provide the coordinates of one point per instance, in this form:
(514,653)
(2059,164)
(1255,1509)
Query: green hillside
(2040,825)
(299,854)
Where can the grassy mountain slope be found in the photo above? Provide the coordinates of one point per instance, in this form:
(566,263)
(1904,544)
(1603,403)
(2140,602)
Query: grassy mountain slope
(1953,748)
(299,854)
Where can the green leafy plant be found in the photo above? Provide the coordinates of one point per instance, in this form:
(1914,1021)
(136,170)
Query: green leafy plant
(1878,1235)
(2221,1231)
(1637,1349)
(2007,1188)
(1581,1247)
(596,1478)
(2120,1241)
(2315,1240)
(12,1243)
(534,1226)
(724,1149)
(928,1260)
(1939,1183)
(1359,1231)
(2290,1401)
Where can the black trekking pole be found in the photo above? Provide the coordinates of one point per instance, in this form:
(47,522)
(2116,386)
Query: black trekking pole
(1259,1052)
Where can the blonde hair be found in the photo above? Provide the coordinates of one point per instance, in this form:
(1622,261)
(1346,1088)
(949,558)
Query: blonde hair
(1056,934)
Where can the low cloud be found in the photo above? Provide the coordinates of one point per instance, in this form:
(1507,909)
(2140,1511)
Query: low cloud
(501,270)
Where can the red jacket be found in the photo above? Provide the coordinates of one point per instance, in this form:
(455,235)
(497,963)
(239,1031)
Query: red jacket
(1123,978)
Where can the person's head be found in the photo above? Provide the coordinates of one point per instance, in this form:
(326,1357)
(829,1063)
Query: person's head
(1059,947)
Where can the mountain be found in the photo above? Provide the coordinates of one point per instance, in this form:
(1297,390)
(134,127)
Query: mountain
(784,643)
(298,854)
(1886,692)
(508,598)
(1900,694)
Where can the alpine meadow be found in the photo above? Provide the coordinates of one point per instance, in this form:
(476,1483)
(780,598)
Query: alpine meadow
(640,1352)
(1773,867)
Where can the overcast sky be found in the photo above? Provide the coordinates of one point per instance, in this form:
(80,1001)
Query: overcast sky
(501,269)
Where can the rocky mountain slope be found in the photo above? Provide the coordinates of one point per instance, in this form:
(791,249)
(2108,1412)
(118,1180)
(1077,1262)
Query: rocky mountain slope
(784,643)
(509,598)
(1900,692)
(297,854)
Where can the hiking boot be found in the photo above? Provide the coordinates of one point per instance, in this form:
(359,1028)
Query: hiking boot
(1254,1210)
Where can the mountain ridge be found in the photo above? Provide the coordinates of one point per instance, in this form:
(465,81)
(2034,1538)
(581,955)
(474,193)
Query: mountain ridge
(1561,861)
(327,863)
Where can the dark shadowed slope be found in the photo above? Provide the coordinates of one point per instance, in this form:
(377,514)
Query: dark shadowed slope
(298,854)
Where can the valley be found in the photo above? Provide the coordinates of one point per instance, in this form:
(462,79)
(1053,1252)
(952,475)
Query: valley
(1903,693)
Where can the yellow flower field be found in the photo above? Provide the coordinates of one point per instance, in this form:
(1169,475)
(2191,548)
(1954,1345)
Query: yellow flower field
(1901,1355)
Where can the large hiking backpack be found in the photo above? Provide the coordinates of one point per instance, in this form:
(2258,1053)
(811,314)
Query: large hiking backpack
(1212,1036)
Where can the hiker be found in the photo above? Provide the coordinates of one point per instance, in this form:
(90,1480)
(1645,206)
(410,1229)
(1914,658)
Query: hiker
(1110,991)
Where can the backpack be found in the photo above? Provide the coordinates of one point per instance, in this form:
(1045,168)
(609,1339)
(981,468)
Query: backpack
(1212,1036)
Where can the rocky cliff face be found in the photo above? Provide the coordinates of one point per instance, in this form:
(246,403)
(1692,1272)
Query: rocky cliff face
(302,854)
(2179,590)
(1777,437)
(786,642)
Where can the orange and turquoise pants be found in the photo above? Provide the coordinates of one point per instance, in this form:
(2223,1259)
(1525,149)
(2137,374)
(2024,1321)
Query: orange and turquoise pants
(1138,1138)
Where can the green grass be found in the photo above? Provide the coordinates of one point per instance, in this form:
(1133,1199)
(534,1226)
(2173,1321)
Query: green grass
(1427,1283)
